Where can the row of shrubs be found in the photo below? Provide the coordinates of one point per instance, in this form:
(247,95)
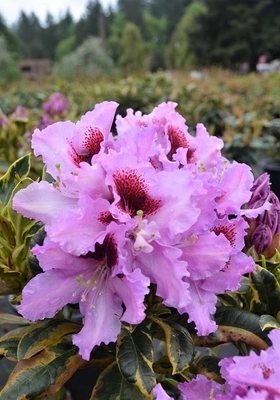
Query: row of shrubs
(243,110)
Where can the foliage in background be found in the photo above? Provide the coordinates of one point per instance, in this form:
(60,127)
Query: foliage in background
(89,59)
(132,50)
(230,34)
(177,34)
(10,38)
(243,110)
(178,53)
(244,317)
(9,70)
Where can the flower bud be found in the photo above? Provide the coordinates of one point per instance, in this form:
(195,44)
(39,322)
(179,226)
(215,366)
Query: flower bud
(266,226)
(271,218)
(261,191)
(261,238)
(56,106)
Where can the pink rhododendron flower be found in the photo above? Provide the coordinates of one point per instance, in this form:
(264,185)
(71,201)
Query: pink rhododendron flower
(252,377)
(19,114)
(96,281)
(259,372)
(44,121)
(200,388)
(57,105)
(264,227)
(155,205)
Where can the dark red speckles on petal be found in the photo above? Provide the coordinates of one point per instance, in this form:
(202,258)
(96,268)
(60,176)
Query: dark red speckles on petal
(134,194)
(266,371)
(77,158)
(92,140)
(178,139)
(106,251)
(105,218)
(228,231)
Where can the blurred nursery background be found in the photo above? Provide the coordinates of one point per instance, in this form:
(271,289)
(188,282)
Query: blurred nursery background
(218,59)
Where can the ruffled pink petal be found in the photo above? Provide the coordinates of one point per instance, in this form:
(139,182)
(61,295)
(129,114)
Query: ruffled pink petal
(51,256)
(54,145)
(47,293)
(206,254)
(200,388)
(41,201)
(93,128)
(131,289)
(165,270)
(236,184)
(200,308)
(207,149)
(78,230)
(102,312)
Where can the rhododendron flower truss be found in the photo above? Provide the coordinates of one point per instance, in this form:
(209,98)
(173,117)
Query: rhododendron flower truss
(154,205)
(96,281)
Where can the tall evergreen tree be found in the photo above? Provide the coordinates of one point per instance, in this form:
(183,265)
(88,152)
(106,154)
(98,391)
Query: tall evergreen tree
(172,10)
(178,54)
(49,37)
(28,29)
(10,39)
(133,11)
(91,24)
(133,52)
(231,33)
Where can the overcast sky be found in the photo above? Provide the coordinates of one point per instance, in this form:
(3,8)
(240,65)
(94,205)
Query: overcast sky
(10,9)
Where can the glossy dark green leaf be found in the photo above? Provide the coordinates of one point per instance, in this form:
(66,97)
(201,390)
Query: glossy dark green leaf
(44,373)
(179,344)
(42,334)
(163,366)
(18,170)
(112,385)
(103,356)
(208,366)
(237,325)
(135,353)
(265,292)
(268,322)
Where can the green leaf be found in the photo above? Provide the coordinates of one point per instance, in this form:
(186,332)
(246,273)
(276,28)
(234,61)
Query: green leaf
(163,366)
(102,356)
(235,326)
(43,374)
(179,344)
(135,352)
(18,170)
(9,343)
(12,279)
(12,216)
(208,366)
(268,322)
(265,292)
(42,334)
(112,385)
(6,318)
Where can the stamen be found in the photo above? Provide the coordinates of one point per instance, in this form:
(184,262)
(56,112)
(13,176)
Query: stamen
(192,239)
(139,214)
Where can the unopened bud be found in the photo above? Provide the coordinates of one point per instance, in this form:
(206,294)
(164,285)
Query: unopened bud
(261,238)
